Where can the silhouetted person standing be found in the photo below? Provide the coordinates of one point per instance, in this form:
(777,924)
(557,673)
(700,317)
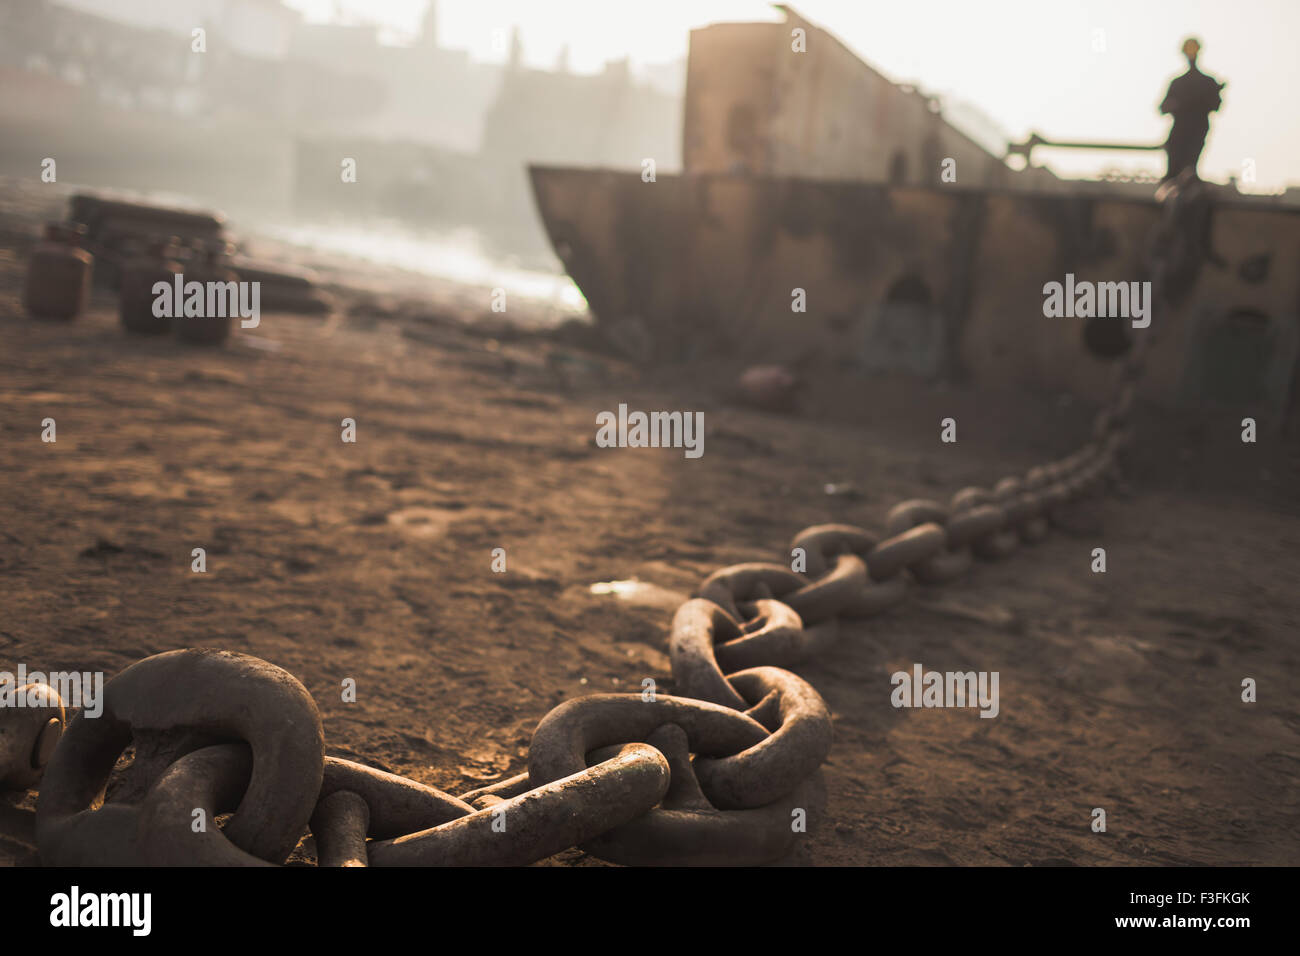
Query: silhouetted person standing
(1191,99)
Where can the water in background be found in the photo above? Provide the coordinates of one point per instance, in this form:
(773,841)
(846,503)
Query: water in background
(457,258)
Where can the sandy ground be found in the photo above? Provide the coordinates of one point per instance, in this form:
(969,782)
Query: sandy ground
(372,561)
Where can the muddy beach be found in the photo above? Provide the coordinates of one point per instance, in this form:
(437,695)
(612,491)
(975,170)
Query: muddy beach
(373,561)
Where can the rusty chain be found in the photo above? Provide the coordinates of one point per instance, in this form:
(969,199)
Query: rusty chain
(714,774)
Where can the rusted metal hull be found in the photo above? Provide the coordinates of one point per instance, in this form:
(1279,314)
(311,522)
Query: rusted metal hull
(940,281)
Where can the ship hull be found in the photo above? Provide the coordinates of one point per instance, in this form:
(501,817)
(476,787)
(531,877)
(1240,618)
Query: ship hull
(938,281)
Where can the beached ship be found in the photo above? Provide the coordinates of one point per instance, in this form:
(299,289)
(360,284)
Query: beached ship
(810,172)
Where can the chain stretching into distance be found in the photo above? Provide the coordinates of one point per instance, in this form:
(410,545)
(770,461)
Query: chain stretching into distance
(718,773)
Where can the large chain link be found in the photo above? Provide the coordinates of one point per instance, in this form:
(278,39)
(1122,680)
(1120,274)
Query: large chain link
(718,773)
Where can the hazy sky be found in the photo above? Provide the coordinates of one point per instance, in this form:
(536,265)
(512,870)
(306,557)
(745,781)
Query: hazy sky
(1028,64)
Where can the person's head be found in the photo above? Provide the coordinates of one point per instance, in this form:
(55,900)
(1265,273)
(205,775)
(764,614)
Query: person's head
(1191,47)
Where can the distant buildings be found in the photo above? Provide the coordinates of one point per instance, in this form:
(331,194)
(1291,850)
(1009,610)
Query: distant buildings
(608,119)
(260,29)
(264,65)
(262,117)
(430,94)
